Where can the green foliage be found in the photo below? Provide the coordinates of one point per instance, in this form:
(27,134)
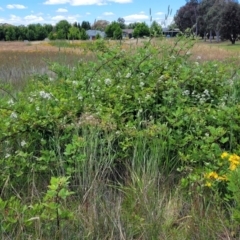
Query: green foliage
(10,34)
(54,202)
(141,30)
(209,18)
(156,29)
(85,25)
(73,33)
(83,34)
(114,30)
(121,22)
(230,21)
(17,219)
(62,29)
(233,187)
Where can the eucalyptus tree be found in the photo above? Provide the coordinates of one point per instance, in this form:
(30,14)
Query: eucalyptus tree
(230,21)
(210,16)
(187,16)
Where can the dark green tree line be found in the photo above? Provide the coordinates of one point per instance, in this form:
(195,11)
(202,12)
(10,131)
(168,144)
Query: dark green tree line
(210,18)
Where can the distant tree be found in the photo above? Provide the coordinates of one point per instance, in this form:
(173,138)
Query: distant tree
(117,34)
(132,25)
(100,25)
(85,25)
(156,29)
(75,24)
(187,16)
(2,33)
(62,29)
(40,32)
(209,16)
(61,35)
(52,35)
(74,33)
(83,35)
(30,35)
(10,34)
(48,28)
(112,28)
(230,21)
(141,30)
(121,22)
(21,32)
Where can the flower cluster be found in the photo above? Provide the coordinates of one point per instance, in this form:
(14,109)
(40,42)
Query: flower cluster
(234,160)
(108,81)
(203,97)
(45,95)
(213,176)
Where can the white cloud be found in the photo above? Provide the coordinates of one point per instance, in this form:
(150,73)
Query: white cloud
(108,13)
(75,2)
(70,18)
(121,1)
(14,19)
(88,13)
(85,2)
(136,18)
(62,10)
(33,19)
(159,13)
(53,2)
(58,18)
(15,6)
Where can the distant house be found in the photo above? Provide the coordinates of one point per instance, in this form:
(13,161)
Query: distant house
(93,33)
(127,33)
(170,32)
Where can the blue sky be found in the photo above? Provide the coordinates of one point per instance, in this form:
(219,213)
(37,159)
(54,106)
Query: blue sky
(18,12)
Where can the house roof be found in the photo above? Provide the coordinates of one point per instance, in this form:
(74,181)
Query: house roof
(171,30)
(128,31)
(93,33)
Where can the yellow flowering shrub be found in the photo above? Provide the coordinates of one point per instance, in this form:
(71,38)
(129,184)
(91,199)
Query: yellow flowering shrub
(231,161)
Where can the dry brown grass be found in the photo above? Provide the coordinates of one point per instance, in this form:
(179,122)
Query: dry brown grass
(212,51)
(20,60)
(36,46)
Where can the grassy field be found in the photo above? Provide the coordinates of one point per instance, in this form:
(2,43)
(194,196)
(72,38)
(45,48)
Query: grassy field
(120,142)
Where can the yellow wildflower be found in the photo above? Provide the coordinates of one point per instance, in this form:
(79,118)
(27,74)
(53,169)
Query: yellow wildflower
(212,175)
(224,155)
(208,184)
(234,159)
(232,166)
